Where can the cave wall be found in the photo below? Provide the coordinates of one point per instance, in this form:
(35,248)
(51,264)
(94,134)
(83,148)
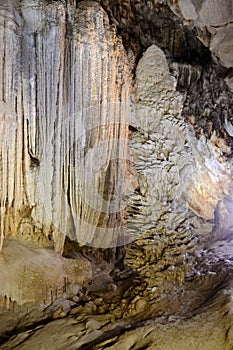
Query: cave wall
(116,150)
(63,73)
(68,97)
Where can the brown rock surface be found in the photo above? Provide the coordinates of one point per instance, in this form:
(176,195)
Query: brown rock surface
(116,174)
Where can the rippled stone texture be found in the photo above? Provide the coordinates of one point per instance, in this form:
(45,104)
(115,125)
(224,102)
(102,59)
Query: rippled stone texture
(64,72)
(116,151)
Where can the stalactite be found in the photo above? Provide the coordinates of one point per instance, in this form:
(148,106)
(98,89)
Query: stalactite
(66,79)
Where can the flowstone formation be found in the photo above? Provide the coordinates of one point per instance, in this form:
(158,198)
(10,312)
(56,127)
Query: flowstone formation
(116,175)
(63,74)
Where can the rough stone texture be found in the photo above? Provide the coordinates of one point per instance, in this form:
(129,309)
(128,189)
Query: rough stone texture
(94,93)
(216,18)
(37,284)
(178,175)
(206,331)
(24,269)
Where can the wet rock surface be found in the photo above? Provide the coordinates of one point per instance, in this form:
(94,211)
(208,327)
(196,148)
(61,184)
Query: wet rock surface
(116,152)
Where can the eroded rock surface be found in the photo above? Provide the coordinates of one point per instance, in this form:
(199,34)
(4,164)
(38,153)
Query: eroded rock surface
(116,151)
(37,284)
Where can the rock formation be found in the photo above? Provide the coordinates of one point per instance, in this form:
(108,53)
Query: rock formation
(116,174)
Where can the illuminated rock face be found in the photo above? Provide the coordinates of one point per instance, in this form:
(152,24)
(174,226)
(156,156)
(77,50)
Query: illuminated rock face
(115,150)
(54,274)
(181,167)
(61,80)
(65,112)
